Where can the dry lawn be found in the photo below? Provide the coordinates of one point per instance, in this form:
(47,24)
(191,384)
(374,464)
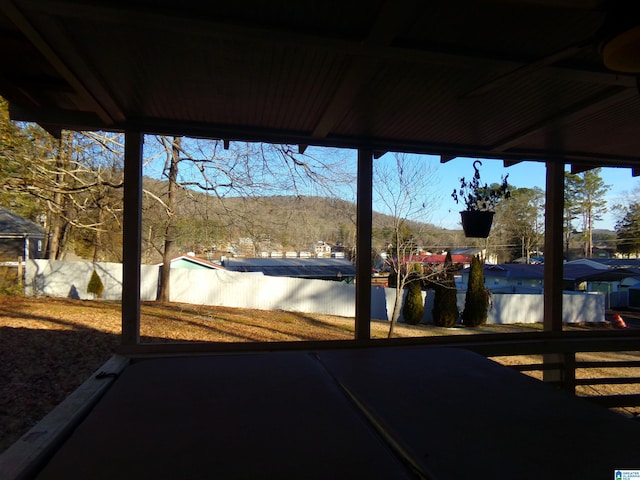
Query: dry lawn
(49,346)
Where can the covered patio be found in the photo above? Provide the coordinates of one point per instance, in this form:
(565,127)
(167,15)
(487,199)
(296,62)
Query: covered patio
(514,80)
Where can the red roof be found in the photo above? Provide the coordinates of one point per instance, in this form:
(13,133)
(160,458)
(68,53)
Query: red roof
(436,259)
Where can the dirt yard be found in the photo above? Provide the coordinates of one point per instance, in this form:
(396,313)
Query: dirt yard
(49,346)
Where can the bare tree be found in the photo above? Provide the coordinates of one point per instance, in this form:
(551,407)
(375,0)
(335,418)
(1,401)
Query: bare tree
(245,171)
(72,179)
(402,189)
(172,147)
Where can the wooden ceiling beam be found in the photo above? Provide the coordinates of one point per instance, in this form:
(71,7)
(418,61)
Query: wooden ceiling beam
(61,118)
(96,90)
(584,107)
(580,168)
(25,26)
(357,76)
(46,84)
(526,70)
(511,163)
(391,20)
(53,130)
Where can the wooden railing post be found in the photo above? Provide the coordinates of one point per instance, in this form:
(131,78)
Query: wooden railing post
(553,265)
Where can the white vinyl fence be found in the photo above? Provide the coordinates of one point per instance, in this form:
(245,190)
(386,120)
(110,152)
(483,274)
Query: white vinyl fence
(254,290)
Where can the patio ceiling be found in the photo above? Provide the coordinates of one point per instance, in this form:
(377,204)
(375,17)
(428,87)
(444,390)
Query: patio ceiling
(509,79)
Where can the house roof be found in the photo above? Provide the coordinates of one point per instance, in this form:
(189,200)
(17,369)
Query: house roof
(571,272)
(293,267)
(513,80)
(612,262)
(437,258)
(514,271)
(13,225)
(197,261)
(586,273)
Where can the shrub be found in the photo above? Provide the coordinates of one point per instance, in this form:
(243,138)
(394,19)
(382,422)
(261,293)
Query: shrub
(413,309)
(95,285)
(476,302)
(445,303)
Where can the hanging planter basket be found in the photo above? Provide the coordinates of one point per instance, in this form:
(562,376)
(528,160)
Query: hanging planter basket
(476,224)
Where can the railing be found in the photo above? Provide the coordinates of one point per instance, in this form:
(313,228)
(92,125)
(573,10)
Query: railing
(561,364)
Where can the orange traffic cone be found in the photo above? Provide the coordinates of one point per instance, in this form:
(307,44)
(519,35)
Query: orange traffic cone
(618,322)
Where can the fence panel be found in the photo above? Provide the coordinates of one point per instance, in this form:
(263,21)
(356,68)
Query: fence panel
(257,291)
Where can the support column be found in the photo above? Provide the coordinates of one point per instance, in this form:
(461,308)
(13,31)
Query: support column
(132,238)
(553,265)
(363,244)
(553,247)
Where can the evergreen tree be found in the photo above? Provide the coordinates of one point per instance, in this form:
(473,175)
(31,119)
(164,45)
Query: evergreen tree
(584,199)
(413,309)
(95,285)
(476,302)
(445,305)
(628,231)
(520,222)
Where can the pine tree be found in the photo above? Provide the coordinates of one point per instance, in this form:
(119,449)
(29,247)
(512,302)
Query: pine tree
(476,303)
(413,309)
(95,285)
(628,231)
(585,199)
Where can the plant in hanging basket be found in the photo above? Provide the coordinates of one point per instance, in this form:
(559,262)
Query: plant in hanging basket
(480,201)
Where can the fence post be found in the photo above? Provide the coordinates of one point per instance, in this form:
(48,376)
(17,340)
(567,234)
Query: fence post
(569,377)
(20,272)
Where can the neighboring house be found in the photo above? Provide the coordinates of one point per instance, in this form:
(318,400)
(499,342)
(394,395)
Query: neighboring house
(338,269)
(510,278)
(625,292)
(471,251)
(434,262)
(322,249)
(20,237)
(609,262)
(193,263)
(463,261)
(582,275)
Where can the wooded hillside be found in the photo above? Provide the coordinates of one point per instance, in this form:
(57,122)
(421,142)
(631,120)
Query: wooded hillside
(253,224)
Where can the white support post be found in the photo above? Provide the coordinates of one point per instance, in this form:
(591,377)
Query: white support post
(363,245)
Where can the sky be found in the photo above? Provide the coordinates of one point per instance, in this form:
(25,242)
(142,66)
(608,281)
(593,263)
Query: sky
(444,211)
(525,174)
